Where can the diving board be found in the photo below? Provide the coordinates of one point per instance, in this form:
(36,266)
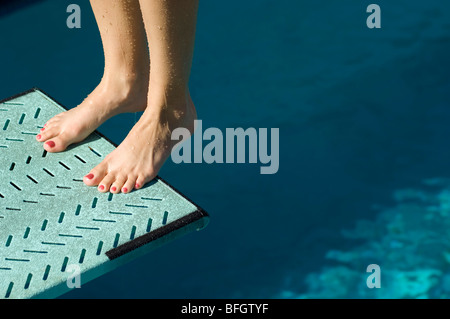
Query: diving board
(50,220)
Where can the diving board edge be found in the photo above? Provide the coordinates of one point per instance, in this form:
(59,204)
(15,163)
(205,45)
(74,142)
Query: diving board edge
(195,220)
(141,246)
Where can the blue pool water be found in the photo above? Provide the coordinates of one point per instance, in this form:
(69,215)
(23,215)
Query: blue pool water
(364,151)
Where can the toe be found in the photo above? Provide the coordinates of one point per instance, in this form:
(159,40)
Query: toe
(140,181)
(129,184)
(117,185)
(144,179)
(56,144)
(96,175)
(114,189)
(47,133)
(50,122)
(105,185)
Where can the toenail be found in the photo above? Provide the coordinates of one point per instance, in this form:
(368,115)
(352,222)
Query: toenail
(113,188)
(50,143)
(42,129)
(101,187)
(90,176)
(137,186)
(39,137)
(124,190)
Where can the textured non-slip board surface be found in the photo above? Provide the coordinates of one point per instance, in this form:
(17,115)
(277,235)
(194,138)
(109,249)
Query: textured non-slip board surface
(50,220)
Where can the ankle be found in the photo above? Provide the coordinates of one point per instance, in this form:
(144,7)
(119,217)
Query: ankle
(169,103)
(169,93)
(125,85)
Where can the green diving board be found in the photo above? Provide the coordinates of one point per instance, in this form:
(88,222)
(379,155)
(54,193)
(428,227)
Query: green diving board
(50,220)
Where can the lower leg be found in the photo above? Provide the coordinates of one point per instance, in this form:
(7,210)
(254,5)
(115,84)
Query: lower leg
(124,40)
(124,85)
(170,28)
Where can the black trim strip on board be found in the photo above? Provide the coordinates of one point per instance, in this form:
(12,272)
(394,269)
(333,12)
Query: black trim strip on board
(20,94)
(153,235)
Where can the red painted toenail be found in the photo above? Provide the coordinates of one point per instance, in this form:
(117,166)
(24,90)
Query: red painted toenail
(39,137)
(124,190)
(102,187)
(51,144)
(137,186)
(42,129)
(90,176)
(113,188)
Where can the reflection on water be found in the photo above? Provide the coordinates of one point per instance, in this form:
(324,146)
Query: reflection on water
(410,242)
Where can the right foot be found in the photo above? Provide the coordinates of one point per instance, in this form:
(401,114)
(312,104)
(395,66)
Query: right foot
(107,100)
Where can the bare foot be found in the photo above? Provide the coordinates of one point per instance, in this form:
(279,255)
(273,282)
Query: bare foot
(108,99)
(138,159)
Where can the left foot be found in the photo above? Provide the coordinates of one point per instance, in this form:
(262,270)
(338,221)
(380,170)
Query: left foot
(138,159)
(110,97)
